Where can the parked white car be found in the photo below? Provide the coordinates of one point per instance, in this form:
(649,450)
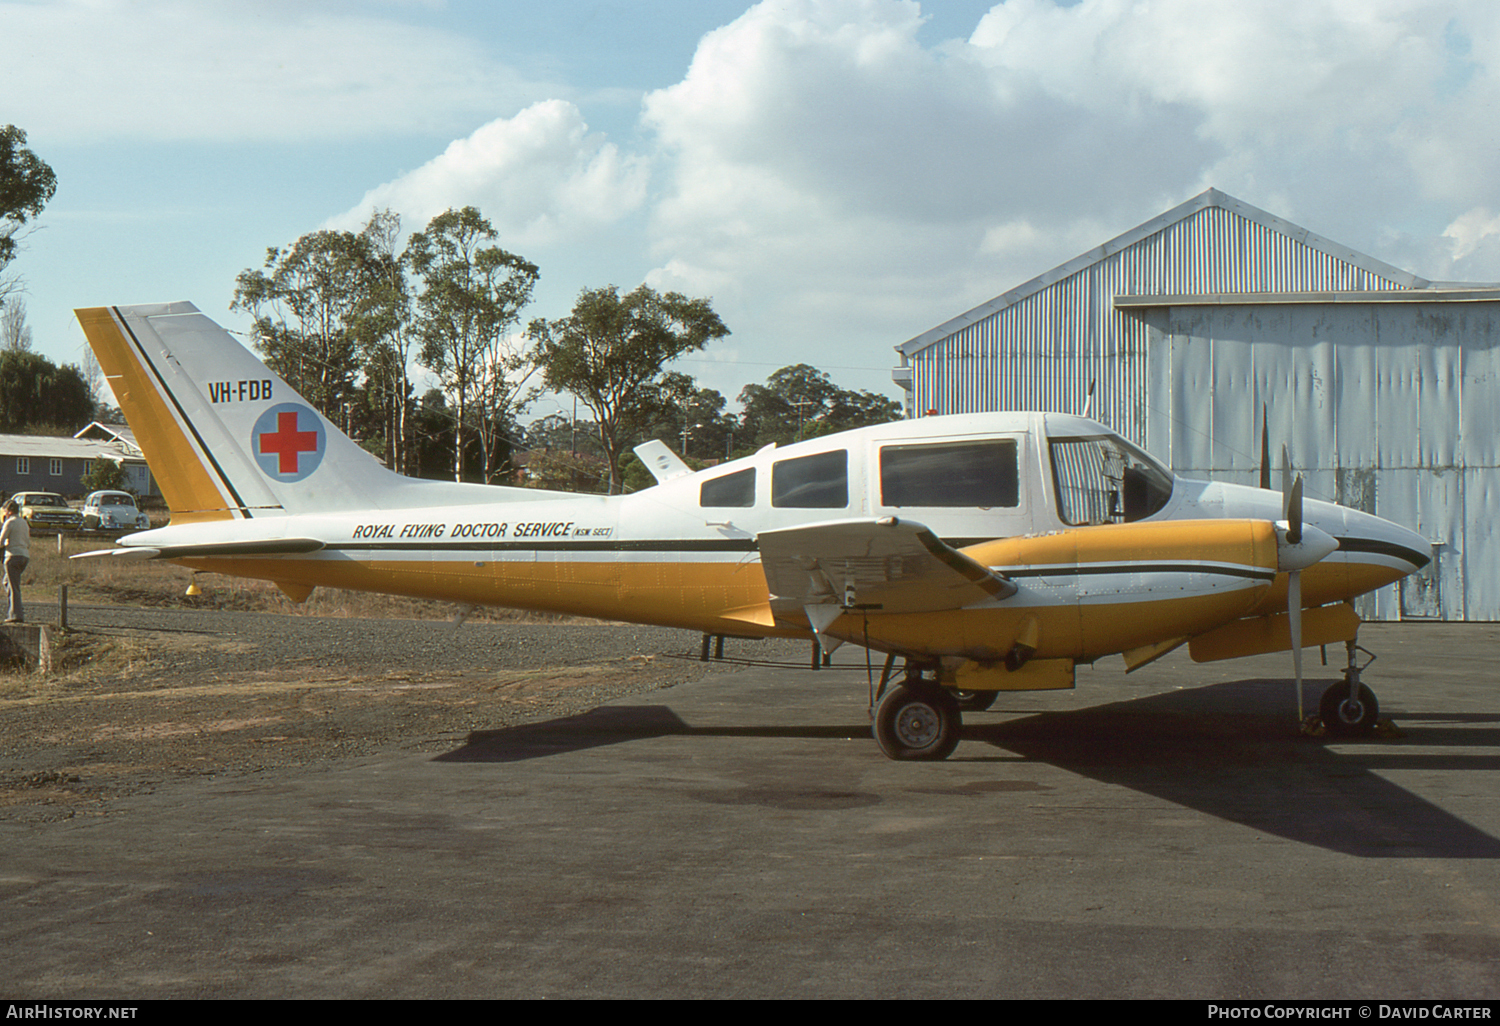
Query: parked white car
(113,511)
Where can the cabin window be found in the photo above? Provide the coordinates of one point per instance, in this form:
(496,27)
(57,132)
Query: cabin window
(23,465)
(54,467)
(812,482)
(979,474)
(737,489)
(1105,480)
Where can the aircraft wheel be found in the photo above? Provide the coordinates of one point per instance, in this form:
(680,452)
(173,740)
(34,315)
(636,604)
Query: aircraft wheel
(1345,717)
(918,723)
(975,701)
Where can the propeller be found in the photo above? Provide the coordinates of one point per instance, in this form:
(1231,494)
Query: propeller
(1298,546)
(1265,450)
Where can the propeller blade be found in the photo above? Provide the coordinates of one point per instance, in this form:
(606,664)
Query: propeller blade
(1291,496)
(1294,513)
(1294,615)
(1265,450)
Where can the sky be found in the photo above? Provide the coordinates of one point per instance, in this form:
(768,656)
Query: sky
(838,176)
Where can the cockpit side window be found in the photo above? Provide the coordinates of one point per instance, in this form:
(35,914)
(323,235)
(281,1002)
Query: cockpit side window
(978,473)
(1105,480)
(737,489)
(820,481)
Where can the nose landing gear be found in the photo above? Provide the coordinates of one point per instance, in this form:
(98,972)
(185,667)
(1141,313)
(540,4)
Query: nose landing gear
(1349,708)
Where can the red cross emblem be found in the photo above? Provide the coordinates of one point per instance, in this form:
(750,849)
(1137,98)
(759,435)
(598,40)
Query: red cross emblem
(286,442)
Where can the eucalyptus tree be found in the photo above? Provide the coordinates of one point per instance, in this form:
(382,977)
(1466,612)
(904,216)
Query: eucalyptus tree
(800,401)
(609,352)
(471,293)
(689,418)
(26,185)
(386,335)
(15,333)
(306,302)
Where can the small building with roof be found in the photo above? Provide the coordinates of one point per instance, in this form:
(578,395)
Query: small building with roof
(41,463)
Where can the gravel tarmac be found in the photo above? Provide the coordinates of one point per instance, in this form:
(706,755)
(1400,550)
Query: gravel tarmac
(145,695)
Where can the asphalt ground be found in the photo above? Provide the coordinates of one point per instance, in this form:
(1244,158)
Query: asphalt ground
(1161,835)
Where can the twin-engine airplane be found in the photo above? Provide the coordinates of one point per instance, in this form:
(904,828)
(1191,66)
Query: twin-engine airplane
(990,552)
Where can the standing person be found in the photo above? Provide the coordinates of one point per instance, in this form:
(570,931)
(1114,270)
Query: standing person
(15,543)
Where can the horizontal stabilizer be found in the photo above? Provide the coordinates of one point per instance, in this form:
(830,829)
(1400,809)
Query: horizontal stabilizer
(885,565)
(663,463)
(268,547)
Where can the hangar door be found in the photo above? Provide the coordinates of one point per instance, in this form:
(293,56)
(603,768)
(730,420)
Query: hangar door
(1386,407)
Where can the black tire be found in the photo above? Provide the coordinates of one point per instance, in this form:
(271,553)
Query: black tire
(918,723)
(1342,718)
(975,701)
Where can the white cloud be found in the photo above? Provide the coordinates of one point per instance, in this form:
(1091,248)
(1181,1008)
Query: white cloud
(818,141)
(860,184)
(1471,245)
(539,176)
(1350,111)
(264,71)
(1471,230)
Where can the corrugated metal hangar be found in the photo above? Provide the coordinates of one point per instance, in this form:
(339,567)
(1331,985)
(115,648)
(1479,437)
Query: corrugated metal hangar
(1384,387)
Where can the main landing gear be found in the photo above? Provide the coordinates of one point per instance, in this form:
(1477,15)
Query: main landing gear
(1349,708)
(917,719)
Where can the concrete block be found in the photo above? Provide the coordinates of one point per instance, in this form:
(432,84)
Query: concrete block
(28,645)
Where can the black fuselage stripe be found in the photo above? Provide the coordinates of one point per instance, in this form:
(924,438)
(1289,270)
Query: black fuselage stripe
(1380,548)
(1101,569)
(188,421)
(703,545)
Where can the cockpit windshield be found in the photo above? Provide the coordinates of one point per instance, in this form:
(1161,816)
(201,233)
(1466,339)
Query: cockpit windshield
(1103,479)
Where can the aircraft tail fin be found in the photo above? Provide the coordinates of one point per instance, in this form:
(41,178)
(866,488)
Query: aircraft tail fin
(225,437)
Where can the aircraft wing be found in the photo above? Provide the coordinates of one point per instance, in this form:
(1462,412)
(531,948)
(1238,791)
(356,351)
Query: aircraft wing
(885,565)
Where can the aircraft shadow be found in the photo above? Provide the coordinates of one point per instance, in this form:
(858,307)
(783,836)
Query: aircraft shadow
(1229,750)
(611,725)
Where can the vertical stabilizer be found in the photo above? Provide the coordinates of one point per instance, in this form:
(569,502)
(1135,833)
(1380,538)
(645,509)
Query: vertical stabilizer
(224,435)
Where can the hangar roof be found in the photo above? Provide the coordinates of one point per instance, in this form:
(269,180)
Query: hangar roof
(1211,198)
(1436,294)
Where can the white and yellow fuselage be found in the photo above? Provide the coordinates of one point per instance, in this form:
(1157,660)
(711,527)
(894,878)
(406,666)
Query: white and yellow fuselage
(1024,555)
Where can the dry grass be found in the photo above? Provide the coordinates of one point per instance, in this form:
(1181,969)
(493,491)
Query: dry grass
(116,582)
